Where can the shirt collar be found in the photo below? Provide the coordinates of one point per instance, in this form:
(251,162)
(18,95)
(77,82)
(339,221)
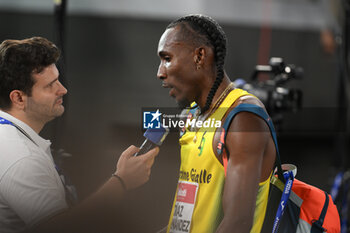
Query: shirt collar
(41,142)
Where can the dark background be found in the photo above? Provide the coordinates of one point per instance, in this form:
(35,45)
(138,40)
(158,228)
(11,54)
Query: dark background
(111,65)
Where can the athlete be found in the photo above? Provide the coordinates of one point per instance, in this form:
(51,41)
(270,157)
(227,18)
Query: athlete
(192,54)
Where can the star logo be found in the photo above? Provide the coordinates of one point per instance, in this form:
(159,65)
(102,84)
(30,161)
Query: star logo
(151,119)
(156,115)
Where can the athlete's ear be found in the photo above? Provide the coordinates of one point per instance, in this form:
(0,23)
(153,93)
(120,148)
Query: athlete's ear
(199,56)
(18,99)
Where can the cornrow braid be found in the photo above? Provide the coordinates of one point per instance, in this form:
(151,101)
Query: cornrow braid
(208,32)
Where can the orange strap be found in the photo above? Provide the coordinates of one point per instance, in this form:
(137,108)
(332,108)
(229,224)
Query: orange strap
(224,160)
(221,149)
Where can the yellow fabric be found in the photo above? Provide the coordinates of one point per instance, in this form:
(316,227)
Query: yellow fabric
(199,164)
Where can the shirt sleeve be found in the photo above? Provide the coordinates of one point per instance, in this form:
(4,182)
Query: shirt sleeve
(32,189)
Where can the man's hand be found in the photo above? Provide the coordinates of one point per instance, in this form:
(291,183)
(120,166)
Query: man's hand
(86,216)
(135,170)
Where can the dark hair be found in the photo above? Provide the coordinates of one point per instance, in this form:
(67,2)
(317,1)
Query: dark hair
(19,59)
(206,31)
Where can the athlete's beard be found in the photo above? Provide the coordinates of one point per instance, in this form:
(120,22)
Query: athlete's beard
(184,104)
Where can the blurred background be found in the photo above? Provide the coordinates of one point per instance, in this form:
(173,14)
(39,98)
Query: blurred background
(109,66)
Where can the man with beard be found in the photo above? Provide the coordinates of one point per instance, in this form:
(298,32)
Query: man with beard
(32,194)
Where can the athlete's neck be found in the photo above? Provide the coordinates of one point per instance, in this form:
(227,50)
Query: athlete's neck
(222,87)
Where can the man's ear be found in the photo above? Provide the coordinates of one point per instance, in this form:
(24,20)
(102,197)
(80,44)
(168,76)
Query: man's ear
(18,99)
(199,56)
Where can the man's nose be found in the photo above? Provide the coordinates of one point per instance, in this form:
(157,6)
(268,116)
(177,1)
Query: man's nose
(62,89)
(161,73)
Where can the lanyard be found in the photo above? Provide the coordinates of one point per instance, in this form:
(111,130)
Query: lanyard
(289,177)
(3,121)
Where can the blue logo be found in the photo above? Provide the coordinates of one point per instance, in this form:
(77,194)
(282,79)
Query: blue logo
(151,120)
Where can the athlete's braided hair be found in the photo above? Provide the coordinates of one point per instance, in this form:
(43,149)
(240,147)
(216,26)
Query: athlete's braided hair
(201,29)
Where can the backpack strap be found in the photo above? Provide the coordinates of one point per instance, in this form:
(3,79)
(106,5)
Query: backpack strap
(317,224)
(259,111)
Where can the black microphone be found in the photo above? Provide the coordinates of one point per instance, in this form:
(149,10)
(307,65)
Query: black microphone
(154,137)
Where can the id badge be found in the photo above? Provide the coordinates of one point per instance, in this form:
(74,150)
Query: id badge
(184,206)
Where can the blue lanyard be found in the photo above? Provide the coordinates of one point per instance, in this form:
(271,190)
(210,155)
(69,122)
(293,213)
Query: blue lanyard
(3,121)
(289,177)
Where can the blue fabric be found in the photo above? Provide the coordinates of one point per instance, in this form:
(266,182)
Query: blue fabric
(288,176)
(3,121)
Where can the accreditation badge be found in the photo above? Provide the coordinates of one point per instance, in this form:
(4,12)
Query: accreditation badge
(184,206)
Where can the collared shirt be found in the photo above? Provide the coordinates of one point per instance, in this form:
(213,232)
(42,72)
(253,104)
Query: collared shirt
(30,187)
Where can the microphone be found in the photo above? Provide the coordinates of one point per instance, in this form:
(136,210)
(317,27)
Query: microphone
(154,137)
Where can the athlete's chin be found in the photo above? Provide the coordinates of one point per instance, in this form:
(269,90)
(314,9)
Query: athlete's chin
(183,103)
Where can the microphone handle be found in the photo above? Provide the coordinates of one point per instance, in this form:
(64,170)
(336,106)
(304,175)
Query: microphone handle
(146,146)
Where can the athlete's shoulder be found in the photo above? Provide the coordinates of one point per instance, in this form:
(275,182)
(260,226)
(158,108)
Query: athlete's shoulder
(246,121)
(249,99)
